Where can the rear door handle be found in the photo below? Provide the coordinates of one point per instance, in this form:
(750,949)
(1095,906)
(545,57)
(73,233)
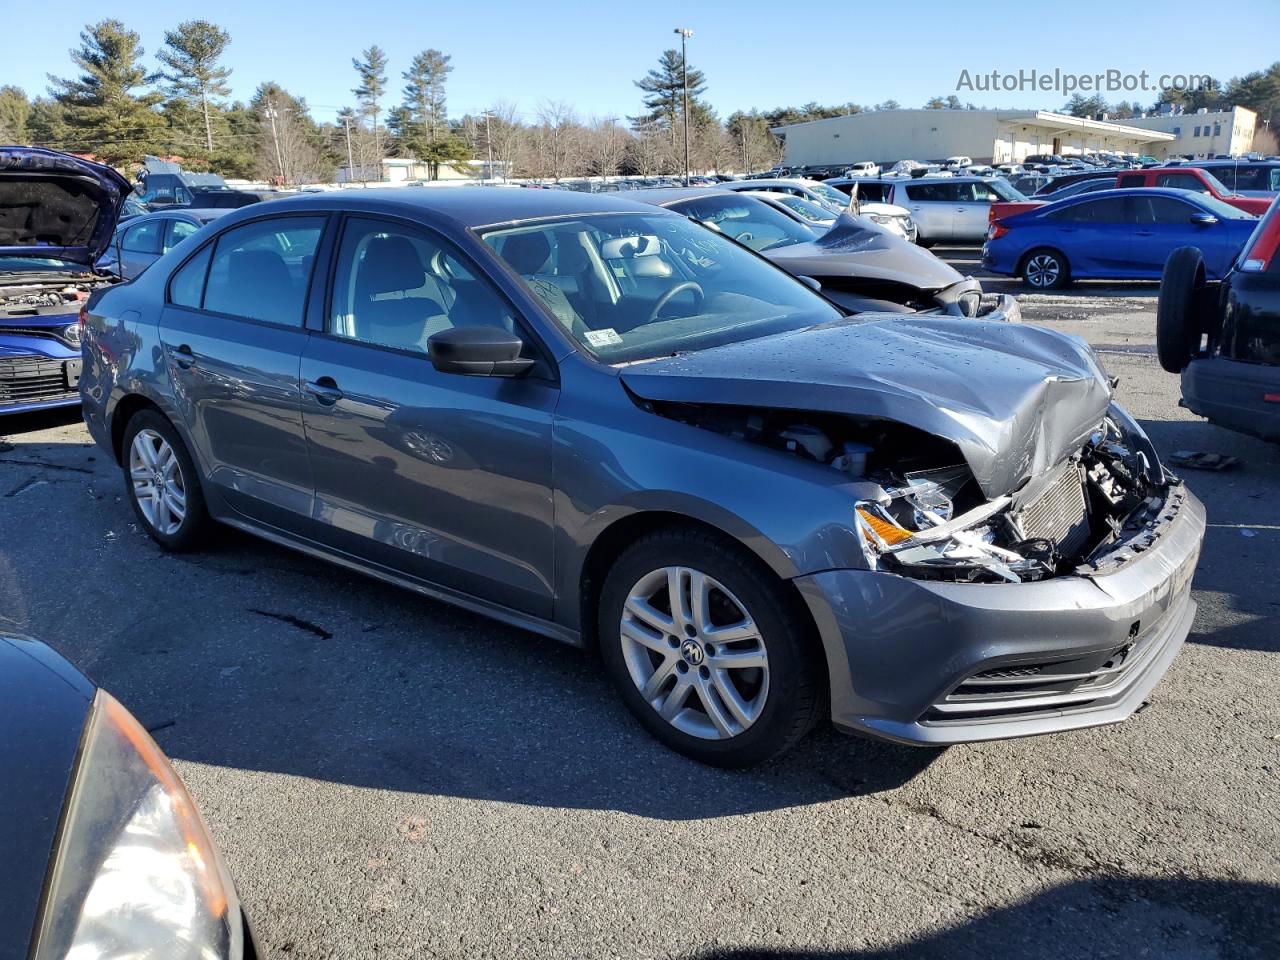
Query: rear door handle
(1144,233)
(325,390)
(184,357)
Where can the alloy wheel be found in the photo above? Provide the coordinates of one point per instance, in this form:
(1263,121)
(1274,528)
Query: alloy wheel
(156,479)
(695,653)
(1042,270)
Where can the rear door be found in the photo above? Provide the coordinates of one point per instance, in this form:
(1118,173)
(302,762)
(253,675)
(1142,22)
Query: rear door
(437,476)
(1096,237)
(140,246)
(233,335)
(933,207)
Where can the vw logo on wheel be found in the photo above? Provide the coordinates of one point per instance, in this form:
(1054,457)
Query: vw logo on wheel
(691,650)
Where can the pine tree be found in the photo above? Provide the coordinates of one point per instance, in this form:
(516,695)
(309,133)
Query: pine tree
(191,55)
(664,93)
(101,111)
(427,135)
(15,112)
(372,71)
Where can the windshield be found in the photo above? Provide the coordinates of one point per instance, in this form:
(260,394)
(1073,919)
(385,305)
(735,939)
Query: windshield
(1005,191)
(830,194)
(631,286)
(813,212)
(1221,209)
(30,264)
(1217,185)
(749,220)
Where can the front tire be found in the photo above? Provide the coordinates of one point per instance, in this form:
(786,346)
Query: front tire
(1045,269)
(708,649)
(162,483)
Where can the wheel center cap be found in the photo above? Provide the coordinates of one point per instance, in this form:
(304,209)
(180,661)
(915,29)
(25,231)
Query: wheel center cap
(692,652)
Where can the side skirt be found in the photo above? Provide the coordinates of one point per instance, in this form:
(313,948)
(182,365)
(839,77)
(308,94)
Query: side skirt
(485,608)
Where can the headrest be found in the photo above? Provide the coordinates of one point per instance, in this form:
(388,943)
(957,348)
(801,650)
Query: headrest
(258,270)
(390,264)
(527,253)
(624,248)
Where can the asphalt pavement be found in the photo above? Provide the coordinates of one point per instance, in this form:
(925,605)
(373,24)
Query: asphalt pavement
(391,777)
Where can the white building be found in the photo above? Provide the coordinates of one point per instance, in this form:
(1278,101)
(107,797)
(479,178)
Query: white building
(988,136)
(1204,134)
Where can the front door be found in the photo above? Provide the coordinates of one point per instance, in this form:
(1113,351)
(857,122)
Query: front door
(1161,225)
(233,336)
(442,477)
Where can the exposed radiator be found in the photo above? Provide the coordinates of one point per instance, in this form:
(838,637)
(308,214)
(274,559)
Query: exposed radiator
(1059,512)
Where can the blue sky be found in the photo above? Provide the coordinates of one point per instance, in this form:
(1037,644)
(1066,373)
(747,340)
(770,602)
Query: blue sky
(753,53)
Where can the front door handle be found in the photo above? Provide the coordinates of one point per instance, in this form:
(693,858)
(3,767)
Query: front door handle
(1144,233)
(325,390)
(184,357)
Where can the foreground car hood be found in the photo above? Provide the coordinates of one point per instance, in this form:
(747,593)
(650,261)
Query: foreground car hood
(55,205)
(853,248)
(1014,399)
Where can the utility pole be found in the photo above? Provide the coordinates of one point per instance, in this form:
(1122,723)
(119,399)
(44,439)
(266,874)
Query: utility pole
(351,163)
(488,142)
(275,136)
(685,34)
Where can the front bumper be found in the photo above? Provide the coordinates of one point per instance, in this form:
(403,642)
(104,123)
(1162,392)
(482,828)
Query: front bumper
(933,663)
(1233,394)
(38,371)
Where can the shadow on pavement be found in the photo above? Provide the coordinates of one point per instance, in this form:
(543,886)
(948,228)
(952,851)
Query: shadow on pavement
(1176,919)
(1243,507)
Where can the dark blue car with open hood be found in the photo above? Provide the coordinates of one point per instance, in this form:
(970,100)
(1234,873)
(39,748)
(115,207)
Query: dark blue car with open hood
(57,214)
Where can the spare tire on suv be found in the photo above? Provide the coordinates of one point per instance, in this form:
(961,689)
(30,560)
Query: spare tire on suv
(1181,310)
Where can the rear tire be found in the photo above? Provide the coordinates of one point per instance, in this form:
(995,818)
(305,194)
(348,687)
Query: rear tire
(1045,269)
(732,679)
(162,483)
(1178,311)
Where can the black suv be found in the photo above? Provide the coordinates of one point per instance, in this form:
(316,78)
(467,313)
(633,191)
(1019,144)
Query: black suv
(1224,338)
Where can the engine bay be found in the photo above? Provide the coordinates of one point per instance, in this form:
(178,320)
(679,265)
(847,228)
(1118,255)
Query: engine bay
(34,298)
(927,518)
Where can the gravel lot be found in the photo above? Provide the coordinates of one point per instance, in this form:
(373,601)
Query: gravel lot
(389,776)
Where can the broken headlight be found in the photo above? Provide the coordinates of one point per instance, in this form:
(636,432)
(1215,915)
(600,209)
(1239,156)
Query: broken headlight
(915,531)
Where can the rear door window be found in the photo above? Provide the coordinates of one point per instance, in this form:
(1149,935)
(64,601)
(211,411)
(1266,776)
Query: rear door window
(260,271)
(1131,180)
(144,237)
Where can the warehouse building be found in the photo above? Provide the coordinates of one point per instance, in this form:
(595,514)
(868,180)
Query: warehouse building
(988,136)
(1204,134)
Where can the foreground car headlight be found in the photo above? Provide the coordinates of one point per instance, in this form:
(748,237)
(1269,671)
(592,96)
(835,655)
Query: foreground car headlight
(881,218)
(135,874)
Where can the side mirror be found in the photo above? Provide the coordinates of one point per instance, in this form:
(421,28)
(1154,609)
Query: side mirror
(811,283)
(489,351)
(1203,219)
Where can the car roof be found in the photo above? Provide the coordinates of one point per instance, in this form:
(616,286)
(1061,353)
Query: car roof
(1131,192)
(470,206)
(772,182)
(661,196)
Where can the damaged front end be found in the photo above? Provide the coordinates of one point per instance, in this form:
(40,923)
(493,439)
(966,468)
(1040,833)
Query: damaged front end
(1056,524)
(919,511)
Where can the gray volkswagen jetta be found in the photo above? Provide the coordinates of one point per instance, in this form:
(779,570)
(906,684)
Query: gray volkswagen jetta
(613,426)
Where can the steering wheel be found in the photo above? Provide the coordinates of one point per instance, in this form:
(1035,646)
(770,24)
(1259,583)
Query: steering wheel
(675,291)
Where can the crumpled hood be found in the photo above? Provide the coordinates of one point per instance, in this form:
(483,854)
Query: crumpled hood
(857,248)
(55,205)
(1015,399)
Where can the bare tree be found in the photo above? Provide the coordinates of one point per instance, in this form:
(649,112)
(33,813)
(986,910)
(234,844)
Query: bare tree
(605,147)
(559,140)
(507,136)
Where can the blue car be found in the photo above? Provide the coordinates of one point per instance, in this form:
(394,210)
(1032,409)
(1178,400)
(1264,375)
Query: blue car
(57,214)
(1117,235)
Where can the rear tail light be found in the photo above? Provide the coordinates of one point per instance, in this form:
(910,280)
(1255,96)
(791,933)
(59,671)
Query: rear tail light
(1260,255)
(996,231)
